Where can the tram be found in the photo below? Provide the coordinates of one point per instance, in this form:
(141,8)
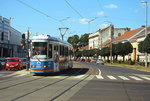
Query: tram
(49,54)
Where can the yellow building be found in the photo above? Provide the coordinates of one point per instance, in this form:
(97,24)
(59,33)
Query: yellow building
(134,37)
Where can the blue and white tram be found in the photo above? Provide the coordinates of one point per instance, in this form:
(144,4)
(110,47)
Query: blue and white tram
(49,54)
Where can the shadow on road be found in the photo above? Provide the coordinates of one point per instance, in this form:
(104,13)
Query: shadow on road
(69,72)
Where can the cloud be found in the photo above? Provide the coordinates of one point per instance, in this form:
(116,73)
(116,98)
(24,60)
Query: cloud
(103,25)
(84,21)
(101,13)
(111,6)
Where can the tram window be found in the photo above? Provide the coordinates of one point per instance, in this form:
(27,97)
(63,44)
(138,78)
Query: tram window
(50,51)
(55,47)
(60,50)
(66,51)
(63,51)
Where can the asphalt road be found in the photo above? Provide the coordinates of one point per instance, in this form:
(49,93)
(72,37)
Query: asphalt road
(85,82)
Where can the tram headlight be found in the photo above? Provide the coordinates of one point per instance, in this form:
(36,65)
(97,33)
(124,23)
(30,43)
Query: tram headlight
(32,66)
(44,66)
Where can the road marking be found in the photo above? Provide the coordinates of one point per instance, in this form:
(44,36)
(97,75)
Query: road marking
(99,76)
(123,77)
(111,77)
(135,78)
(20,75)
(144,77)
(59,76)
(8,75)
(80,76)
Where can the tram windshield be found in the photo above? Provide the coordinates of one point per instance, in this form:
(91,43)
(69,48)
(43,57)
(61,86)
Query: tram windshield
(39,50)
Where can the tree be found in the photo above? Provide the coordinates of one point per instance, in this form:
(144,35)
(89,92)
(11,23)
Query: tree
(73,40)
(125,49)
(146,44)
(141,47)
(128,48)
(84,39)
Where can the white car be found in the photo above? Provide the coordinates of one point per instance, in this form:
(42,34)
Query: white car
(100,61)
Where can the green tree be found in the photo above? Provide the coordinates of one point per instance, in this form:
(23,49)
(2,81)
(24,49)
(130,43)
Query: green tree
(146,44)
(125,49)
(141,47)
(73,40)
(84,39)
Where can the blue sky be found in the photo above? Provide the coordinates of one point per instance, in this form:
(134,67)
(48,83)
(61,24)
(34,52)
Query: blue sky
(121,13)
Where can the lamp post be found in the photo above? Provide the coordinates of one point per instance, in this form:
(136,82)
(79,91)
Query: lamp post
(89,21)
(146,22)
(111,39)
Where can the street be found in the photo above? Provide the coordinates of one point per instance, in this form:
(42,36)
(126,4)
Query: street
(85,82)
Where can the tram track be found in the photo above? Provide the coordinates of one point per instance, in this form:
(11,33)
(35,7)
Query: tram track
(71,87)
(10,86)
(16,84)
(48,85)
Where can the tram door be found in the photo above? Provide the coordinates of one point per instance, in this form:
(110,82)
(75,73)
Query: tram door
(56,58)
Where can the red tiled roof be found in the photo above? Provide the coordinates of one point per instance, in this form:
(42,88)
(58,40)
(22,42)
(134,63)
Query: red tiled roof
(128,34)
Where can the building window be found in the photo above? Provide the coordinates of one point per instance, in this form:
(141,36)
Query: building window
(2,36)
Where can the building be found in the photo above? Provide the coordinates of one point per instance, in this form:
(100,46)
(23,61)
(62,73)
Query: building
(10,39)
(101,38)
(134,37)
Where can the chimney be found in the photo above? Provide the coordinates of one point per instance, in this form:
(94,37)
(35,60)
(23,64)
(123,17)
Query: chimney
(143,26)
(119,34)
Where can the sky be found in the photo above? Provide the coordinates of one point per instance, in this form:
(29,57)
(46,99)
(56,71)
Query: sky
(80,16)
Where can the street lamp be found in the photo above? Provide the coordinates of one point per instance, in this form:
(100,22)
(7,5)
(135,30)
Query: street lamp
(146,21)
(111,39)
(89,21)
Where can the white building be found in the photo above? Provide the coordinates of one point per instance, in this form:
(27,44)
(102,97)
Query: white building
(101,37)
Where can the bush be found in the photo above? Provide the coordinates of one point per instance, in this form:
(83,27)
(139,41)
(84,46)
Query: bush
(141,63)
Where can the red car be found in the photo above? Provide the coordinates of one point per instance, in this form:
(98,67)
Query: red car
(88,60)
(13,63)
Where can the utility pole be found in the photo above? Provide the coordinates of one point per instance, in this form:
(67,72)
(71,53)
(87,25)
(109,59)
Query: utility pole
(64,32)
(111,38)
(146,22)
(27,48)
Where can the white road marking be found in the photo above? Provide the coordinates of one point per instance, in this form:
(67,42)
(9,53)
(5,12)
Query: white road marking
(135,78)
(20,75)
(99,76)
(111,77)
(8,75)
(144,77)
(123,77)
(80,76)
(59,76)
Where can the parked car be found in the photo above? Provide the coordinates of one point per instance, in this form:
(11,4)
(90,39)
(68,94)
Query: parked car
(3,61)
(13,63)
(24,62)
(93,60)
(87,60)
(1,67)
(78,59)
(100,61)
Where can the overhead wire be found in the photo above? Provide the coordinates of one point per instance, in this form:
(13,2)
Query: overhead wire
(73,8)
(118,18)
(37,10)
